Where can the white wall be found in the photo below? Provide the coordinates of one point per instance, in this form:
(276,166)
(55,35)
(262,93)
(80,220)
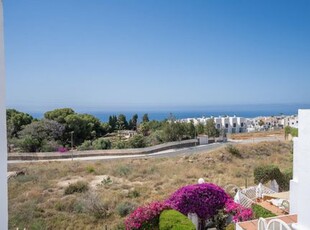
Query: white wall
(3,145)
(300,185)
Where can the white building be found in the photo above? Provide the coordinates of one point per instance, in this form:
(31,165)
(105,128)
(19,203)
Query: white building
(300,185)
(291,121)
(227,124)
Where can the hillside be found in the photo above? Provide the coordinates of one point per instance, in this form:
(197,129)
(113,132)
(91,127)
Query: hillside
(37,200)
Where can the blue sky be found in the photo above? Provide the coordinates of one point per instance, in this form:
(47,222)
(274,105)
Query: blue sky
(106,54)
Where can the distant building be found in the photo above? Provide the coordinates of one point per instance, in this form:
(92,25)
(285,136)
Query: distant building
(291,121)
(227,124)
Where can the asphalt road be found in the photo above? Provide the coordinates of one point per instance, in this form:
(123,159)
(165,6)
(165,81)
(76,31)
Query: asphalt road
(161,154)
(166,153)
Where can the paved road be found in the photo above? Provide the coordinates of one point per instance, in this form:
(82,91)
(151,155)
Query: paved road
(166,153)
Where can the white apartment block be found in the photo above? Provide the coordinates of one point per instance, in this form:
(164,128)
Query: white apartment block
(227,124)
(291,121)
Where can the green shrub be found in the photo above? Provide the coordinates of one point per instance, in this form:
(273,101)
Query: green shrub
(49,146)
(134,194)
(86,145)
(101,143)
(271,172)
(230,227)
(173,220)
(233,151)
(28,144)
(107,181)
(259,211)
(123,170)
(123,209)
(137,141)
(290,130)
(90,169)
(119,145)
(288,175)
(79,187)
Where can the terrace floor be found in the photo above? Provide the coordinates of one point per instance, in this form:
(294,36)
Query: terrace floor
(252,225)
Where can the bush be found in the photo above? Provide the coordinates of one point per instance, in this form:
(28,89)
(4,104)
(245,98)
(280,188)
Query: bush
(123,170)
(79,187)
(107,181)
(174,220)
(134,194)
(101,143)
(290,130)
(233,151)
(155,138)
(90,169)
(119,144)
(86,145)
(95,206)
(266,173)
(230,227)
(123,209)
(205,200)
(145,217)
(259,211)
(137,141)
(49,146)
(28,144)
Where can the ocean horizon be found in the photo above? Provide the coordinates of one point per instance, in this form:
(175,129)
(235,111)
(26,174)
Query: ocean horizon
(241,111)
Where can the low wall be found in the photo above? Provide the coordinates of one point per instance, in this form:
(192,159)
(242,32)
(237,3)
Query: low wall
(107,152)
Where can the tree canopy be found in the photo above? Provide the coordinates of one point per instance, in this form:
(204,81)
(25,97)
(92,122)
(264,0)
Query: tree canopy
(16,121)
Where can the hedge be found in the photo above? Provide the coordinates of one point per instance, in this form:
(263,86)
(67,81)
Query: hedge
(174,220)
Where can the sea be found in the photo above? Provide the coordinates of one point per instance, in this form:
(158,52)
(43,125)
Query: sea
(248,111)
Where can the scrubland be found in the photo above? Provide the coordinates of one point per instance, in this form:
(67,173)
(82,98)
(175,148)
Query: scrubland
(102,193)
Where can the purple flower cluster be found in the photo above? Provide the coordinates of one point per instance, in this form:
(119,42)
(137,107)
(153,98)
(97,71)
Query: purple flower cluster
(62,149)
(145,217)
(206,200)
(238,212)
(203,199)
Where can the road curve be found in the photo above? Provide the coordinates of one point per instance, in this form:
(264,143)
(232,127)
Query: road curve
(161,154)
(166,153)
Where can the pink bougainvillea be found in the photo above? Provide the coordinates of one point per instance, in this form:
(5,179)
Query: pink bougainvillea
(206,200)
(203,199)
(238,212)
(145,217)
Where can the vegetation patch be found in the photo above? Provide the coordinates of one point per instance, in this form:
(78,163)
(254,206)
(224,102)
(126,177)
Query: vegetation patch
(233,151)
(124,208)
(35,200)
(259,211)
(266,173)
(78,187)
(174,220)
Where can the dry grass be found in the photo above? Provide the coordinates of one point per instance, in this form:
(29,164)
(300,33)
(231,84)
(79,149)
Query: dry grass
(251,135)
(37,200)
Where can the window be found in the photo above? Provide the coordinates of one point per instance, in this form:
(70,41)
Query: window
(235,125)
(226,125)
